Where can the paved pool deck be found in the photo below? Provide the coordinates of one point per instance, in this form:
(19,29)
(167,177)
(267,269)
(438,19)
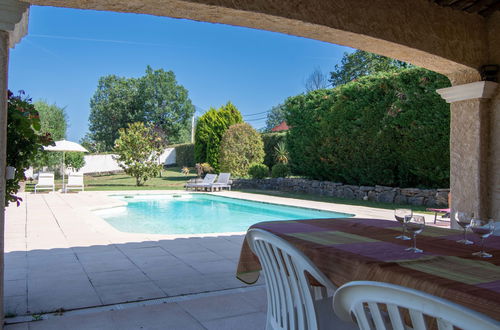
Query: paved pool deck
(59,256)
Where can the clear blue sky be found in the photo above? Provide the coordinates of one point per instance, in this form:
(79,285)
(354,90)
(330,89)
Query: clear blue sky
(67,50)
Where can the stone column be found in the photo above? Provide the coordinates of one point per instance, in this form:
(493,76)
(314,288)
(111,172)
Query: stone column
(13,26)
(4,65)
(470,146)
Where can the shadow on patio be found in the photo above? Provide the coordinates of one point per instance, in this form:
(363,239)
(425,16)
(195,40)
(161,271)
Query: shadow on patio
(42,281)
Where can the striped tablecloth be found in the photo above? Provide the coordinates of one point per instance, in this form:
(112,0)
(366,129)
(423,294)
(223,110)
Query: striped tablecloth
(365,249)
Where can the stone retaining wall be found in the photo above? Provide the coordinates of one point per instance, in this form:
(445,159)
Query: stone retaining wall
(412,196)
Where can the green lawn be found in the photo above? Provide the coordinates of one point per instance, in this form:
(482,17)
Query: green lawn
(317,198)
(171,179)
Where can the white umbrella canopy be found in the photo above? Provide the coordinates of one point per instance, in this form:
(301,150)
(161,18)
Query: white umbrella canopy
(64,145)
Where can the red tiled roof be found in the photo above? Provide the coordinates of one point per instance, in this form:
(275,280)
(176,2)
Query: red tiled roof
(281,127)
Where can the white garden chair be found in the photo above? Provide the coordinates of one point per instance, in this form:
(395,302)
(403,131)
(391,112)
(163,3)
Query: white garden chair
(377,305)
(45,182)
(207,181)
(75,181)
(291,303)
(222,182)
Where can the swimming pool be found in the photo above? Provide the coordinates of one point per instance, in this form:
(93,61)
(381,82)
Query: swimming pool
(199,214)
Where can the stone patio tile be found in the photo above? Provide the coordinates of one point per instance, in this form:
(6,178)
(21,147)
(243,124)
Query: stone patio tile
(93,249)
(49,295)
(144,260)
(185,284)
(181,245)
(117,277)
(18,273)
(14,288)
(218,266)
(123,292)
(156,317)
(95,321)
(163,271)
(217,307)
(225,280)
(241,322)
(56,272)
(35,259)
(15,305)
(53,251)
(138,245)
(107,264)
(18,326)
(257,298)
(197,257)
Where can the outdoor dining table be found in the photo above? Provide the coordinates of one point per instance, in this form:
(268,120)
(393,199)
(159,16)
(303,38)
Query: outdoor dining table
(352,249)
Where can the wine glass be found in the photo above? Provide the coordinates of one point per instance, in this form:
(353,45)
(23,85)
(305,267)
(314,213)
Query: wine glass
(463,220)
(482,228)
(403,215)
(415,225)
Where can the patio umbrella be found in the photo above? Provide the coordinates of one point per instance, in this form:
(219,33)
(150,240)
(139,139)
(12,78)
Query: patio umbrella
(64,146)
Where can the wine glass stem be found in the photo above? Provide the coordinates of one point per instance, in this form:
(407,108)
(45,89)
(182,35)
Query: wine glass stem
(414,241)
(482,245)
(465,234)
(404,229)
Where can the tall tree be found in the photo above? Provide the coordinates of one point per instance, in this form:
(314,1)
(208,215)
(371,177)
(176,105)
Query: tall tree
(53,121)
(361,63)
(154,99)
(113,106)
(210,128)
(138,149)
(316,80)
(275,116)
(166,104)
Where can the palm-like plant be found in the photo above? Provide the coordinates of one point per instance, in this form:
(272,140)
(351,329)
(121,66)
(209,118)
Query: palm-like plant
(281,153)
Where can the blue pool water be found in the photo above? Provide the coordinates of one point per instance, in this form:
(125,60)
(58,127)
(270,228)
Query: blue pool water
(199,214)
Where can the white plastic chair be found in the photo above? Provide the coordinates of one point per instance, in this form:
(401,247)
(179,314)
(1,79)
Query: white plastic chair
(45,182)
(291,303)
(207,181)
(222,182)
(363,299)
(75,181)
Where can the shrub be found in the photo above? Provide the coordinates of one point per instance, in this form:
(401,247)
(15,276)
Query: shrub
(203,168)
(258,171)
(74,160)
(281,153)
(184,154)
(280,171)
(241,146)
(210,128)
(138,151)
(388,129)
(271,140)
(25,141)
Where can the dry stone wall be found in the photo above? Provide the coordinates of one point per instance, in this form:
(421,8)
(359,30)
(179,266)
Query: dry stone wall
(412,196)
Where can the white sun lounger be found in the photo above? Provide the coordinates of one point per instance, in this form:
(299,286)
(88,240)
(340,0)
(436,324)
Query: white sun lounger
(45,182)
(207,181)
(222,182)
(75,181)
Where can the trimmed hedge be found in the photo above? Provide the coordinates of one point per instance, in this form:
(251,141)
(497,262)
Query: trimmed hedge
(388,129)
(258,171)
(210,128)
(241,146)
(271,140)
(280,171)
(184,154)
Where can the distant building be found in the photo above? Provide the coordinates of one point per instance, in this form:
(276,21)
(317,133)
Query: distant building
(281,127)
